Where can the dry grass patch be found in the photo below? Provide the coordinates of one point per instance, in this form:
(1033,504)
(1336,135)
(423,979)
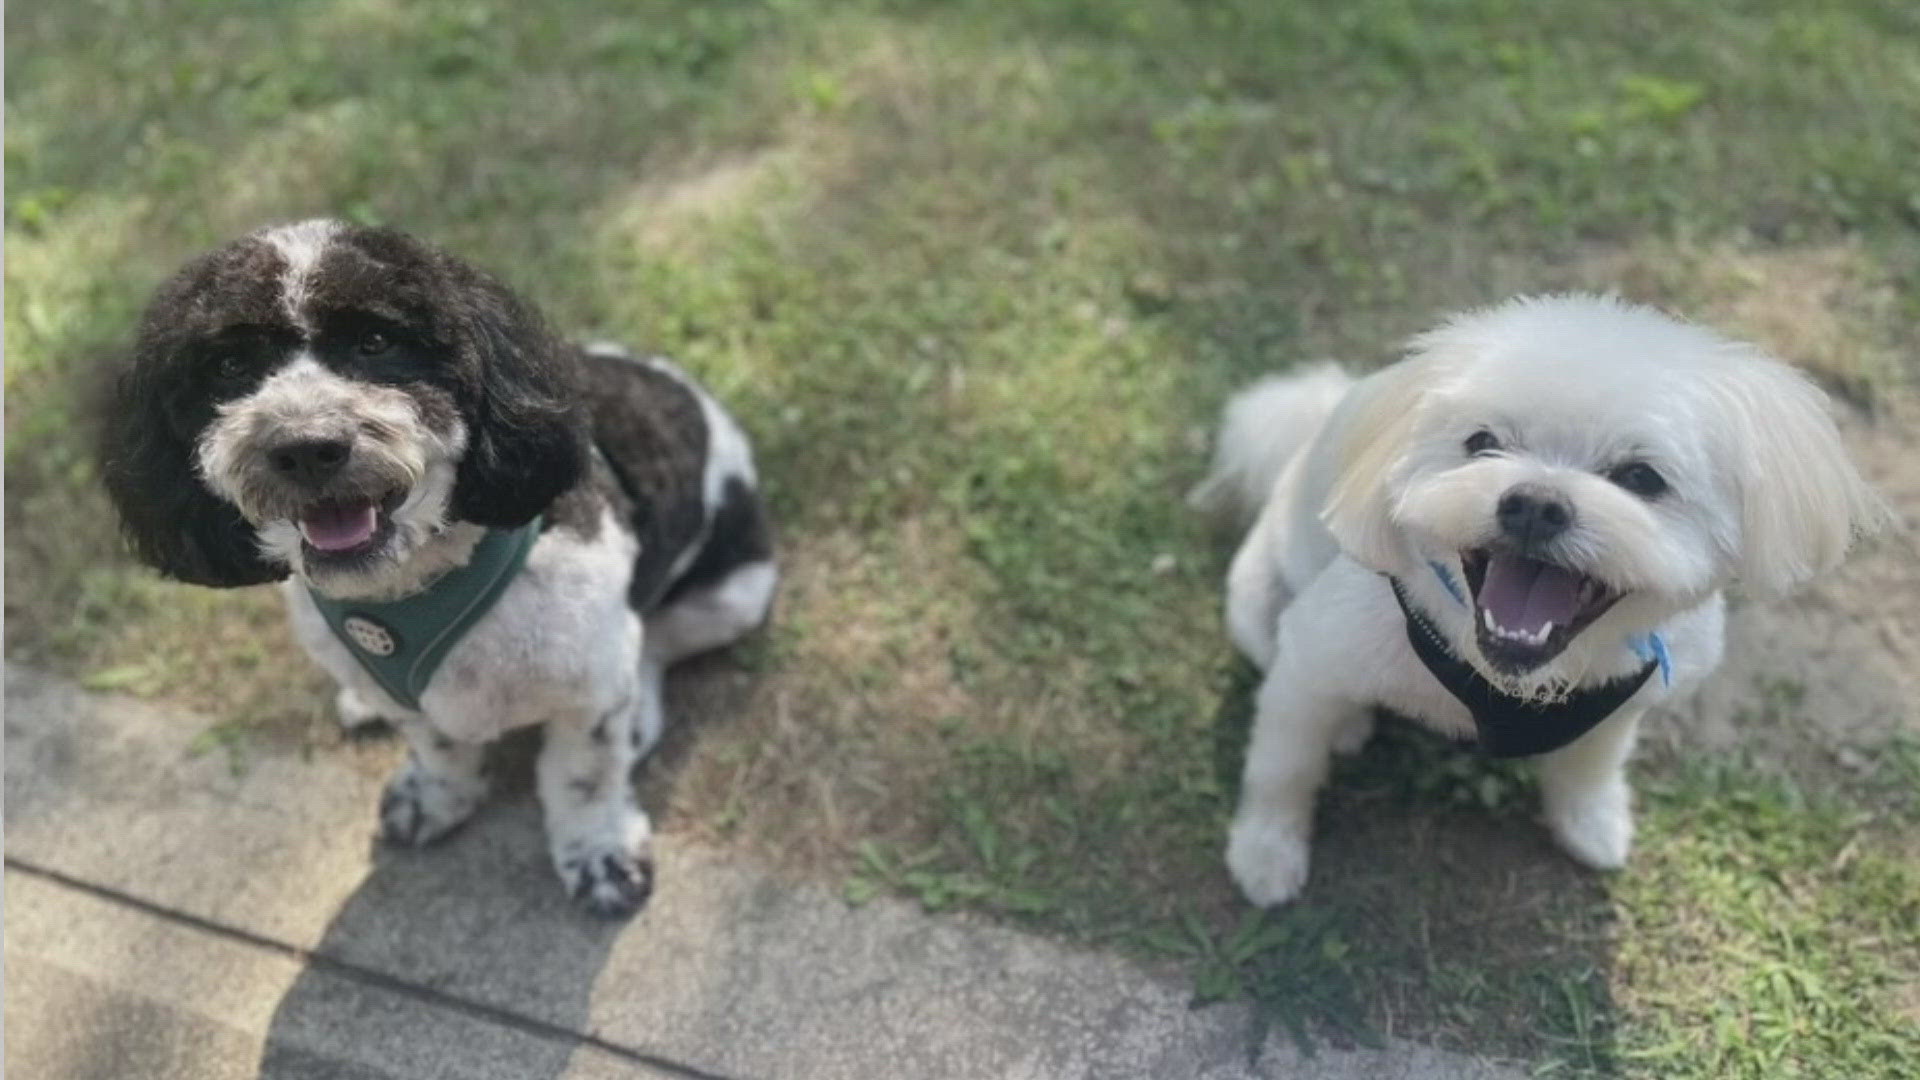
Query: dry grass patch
(1831,307)
(847,723)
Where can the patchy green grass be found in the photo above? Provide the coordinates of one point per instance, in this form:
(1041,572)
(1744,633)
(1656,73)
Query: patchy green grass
(975,274)
(1773,933)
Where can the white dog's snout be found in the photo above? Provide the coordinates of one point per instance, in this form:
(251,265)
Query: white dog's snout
(1532,514)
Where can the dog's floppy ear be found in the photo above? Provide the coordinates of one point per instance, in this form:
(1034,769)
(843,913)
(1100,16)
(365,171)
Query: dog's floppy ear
(526,436)
(147,423)
(1375,422)
(1802,501)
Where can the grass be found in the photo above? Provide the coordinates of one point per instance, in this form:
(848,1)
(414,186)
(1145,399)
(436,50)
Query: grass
(976,275)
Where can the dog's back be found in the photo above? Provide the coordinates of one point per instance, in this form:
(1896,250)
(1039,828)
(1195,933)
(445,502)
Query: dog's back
(1266,470)
(683,467)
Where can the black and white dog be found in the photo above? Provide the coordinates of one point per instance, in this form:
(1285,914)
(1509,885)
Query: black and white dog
(383,427)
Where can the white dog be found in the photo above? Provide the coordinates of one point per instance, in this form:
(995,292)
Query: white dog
(1519,534)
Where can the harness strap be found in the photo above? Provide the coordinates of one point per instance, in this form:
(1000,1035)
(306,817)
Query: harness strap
(402,642)
(1510,726)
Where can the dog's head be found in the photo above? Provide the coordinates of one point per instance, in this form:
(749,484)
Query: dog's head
(326,400)
(1590,468)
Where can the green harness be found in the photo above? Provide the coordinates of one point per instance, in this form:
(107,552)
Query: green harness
(402,642)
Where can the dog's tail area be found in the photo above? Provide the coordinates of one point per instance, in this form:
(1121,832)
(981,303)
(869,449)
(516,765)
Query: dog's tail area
(1262,428)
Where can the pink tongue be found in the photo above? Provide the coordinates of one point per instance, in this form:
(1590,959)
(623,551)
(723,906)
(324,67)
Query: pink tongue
(338,526)
(1525,595)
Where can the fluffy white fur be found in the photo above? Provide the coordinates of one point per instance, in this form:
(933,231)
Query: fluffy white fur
(1352,479)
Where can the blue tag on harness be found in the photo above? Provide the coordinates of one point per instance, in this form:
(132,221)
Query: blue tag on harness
(1446,581)
(1653,647)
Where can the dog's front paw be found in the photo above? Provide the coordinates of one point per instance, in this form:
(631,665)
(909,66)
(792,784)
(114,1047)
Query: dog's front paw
(604,856)
(1267,858)
(610,884)
(1596,827)
(418,808)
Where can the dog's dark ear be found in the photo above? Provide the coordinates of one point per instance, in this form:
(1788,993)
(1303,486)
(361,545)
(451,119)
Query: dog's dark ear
(174,523)
(526,441)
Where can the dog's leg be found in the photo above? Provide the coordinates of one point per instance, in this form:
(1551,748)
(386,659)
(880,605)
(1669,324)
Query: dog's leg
(1351,735)
(710,617)
(650,714)
(439,787)
(1584,785)
(598,836)
(1255,593)
(704,619)
(1293,736)
(353,710)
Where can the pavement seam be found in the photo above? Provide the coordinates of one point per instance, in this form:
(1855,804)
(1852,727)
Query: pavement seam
(365,976)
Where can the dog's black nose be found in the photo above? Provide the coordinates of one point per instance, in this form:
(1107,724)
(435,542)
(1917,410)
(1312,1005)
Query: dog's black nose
(310,461)
(1530,514)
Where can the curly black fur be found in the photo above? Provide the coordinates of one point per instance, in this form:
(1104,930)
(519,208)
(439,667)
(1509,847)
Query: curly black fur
(463,338)
(159,403)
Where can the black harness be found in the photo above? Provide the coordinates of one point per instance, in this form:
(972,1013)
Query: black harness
(1509,726)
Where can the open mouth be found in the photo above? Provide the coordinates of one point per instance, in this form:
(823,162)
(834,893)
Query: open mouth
(341,531)
(1525,610)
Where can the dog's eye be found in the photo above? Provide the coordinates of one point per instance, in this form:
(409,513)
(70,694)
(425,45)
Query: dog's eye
(374,343)
(1481,442)
(1638,477)
(231,365)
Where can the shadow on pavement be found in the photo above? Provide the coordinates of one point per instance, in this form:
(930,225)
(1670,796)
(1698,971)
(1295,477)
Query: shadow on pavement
(478,928)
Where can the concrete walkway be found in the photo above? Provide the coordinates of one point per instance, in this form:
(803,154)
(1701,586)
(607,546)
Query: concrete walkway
(169,916)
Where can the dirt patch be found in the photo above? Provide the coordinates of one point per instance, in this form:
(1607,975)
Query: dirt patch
(671,215)
(1829,308)
(847,734)
(1822,677)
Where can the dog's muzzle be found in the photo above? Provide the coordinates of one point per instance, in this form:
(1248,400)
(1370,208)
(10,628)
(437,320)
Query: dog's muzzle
(1527,604)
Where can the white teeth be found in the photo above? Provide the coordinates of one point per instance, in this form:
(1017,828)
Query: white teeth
(1536,637)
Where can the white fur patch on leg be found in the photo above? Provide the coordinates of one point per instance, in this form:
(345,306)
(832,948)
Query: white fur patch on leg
(1255,596)
(650,710)
(1588,804)
(1351,735)
(713,616)
(353,710)
(1287,758)
(438,788)
(1595,825)
(1267,854)
(599,838)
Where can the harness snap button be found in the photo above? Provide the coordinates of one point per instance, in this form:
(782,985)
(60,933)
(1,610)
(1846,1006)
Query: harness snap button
(370,636)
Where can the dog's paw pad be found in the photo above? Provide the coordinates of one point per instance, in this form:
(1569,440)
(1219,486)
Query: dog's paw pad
(1268,861)
(609,884)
